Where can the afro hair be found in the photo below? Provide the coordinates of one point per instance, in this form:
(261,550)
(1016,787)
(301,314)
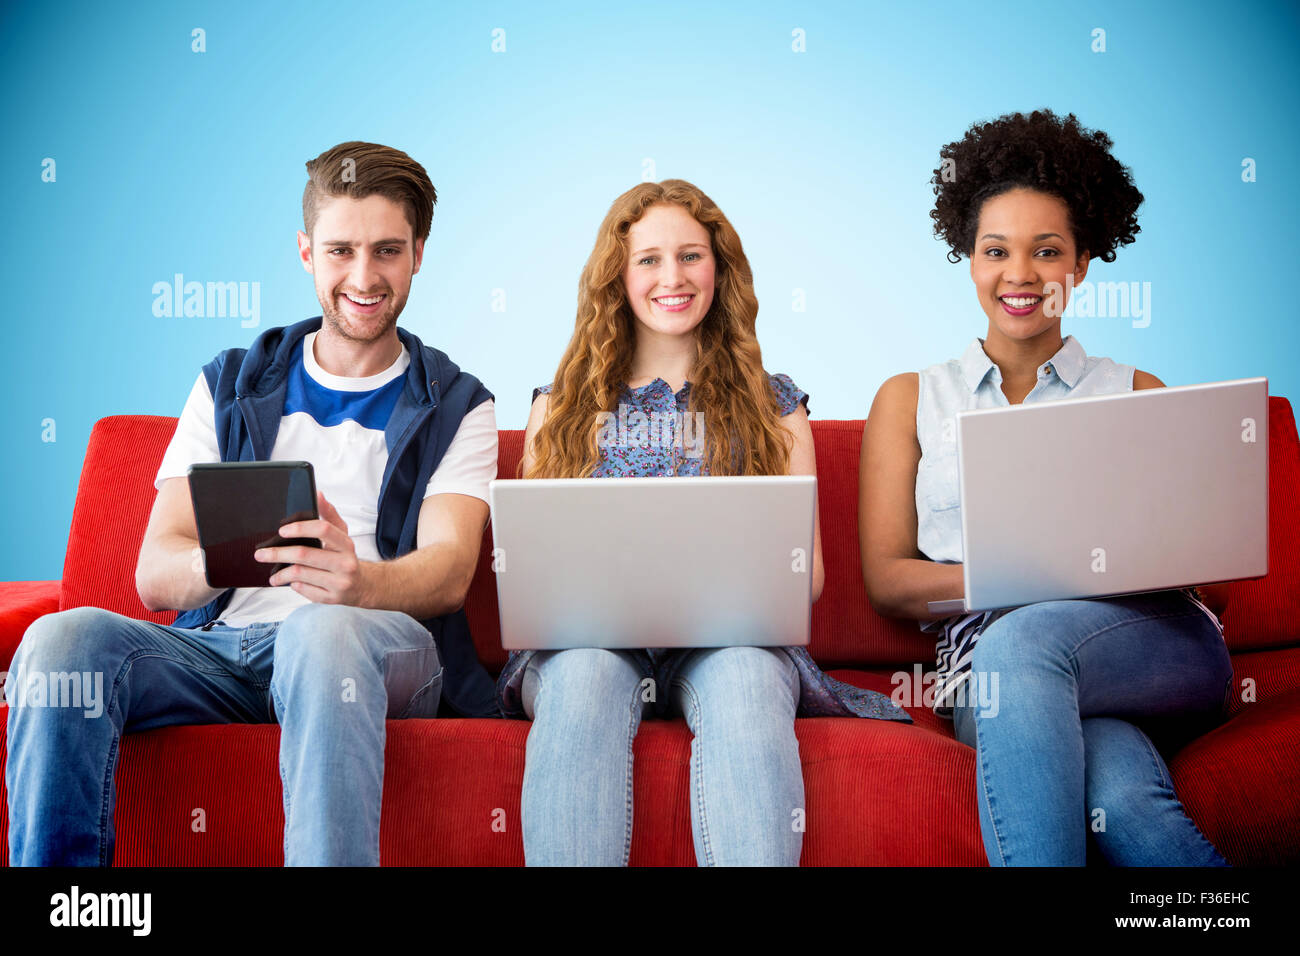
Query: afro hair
(1042,151)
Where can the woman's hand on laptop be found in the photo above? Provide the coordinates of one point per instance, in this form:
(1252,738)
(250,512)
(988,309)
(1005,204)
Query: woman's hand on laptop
(330,574)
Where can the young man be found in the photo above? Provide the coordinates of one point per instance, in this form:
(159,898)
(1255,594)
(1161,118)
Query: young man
(369,626)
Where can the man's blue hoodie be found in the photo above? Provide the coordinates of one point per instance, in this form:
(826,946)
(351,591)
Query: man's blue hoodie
(248,388)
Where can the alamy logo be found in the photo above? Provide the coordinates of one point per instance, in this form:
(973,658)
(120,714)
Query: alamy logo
(1100,300)
(76,689)
(633,428)
(208,300)
(75,908)
(921,688)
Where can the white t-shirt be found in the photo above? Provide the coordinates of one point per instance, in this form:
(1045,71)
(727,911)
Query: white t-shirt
(336,423)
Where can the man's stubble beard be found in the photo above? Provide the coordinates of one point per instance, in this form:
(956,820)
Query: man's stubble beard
(339,323)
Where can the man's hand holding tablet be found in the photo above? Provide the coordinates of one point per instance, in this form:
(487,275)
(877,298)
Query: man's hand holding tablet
(328,574)
(239,509)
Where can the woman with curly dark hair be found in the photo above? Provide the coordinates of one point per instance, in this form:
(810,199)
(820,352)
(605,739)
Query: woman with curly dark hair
(1031,200)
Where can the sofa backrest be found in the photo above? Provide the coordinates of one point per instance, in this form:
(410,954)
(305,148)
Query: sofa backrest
(116,494)
(114,498)
(1265,612)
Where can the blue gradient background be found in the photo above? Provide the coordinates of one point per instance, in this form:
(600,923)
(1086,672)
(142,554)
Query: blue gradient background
(170,161)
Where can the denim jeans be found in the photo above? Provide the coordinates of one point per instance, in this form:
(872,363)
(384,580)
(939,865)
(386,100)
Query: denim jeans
(1060,755)
(746,781)
(329,674)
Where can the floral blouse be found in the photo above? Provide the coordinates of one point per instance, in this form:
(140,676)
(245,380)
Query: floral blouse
(663,442)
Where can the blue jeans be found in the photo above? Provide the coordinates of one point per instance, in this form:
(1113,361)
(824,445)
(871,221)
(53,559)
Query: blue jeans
(1059,754)
(329,674)
(746,786)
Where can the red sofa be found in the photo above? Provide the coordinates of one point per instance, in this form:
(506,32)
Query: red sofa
(877,792)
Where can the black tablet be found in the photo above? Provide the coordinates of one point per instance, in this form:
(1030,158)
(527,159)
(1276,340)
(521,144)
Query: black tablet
(240,506)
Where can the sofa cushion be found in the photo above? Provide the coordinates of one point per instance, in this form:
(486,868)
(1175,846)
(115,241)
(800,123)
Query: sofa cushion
(1239,783)
(876,792)
(1259,676)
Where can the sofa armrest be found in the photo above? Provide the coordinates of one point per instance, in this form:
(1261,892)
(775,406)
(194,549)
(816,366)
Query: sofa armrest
(22,602)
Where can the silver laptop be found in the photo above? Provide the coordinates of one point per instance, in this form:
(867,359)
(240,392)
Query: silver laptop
(1113,494)
(653,562)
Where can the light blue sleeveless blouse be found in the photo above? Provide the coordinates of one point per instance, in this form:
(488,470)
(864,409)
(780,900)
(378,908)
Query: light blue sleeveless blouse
(971,382)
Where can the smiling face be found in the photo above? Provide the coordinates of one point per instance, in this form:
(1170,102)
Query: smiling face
(362,254)
(669,272)
(1025,264)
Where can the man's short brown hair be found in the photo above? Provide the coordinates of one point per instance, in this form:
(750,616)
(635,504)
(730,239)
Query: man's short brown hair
(358,170)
